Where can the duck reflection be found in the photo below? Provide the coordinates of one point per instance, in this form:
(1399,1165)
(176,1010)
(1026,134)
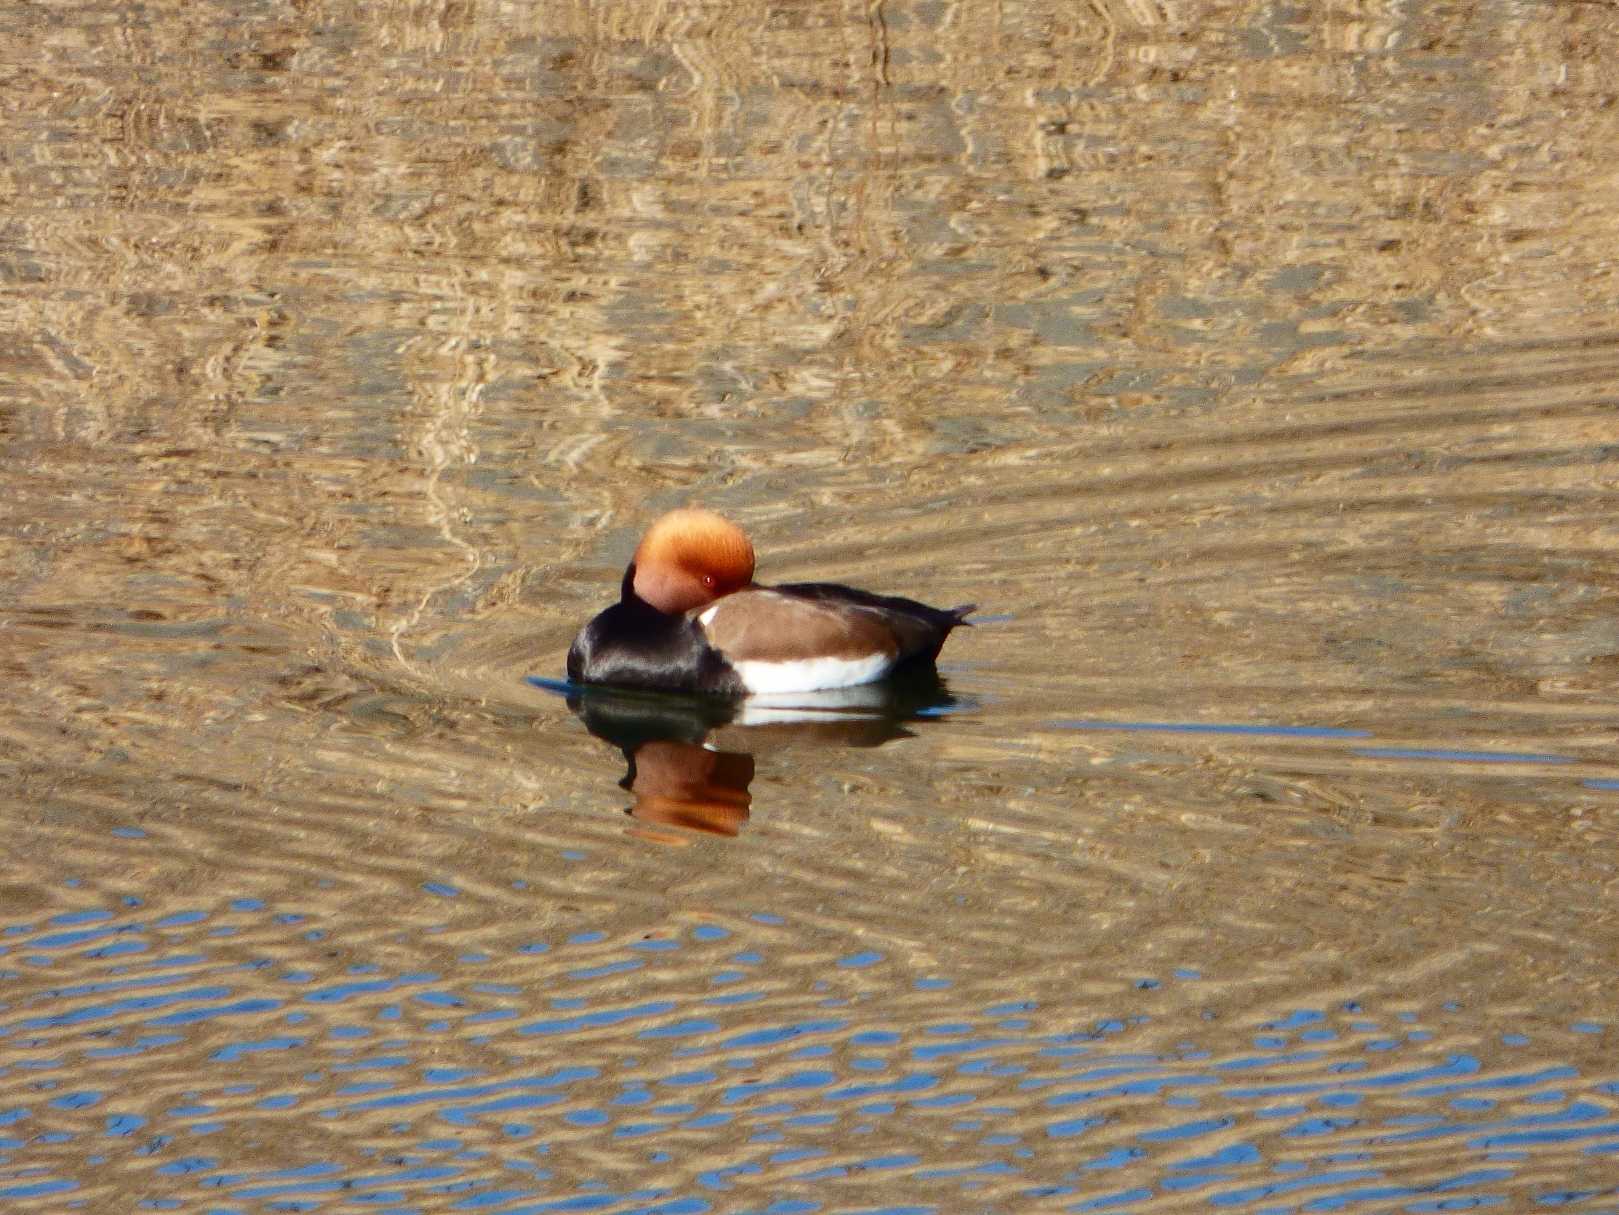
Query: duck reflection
(684,784)
(690,759)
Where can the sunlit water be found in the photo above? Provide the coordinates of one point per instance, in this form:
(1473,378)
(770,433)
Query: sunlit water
(1251,366)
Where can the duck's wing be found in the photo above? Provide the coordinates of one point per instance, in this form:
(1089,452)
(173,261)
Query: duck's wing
(918,628)
(763,625)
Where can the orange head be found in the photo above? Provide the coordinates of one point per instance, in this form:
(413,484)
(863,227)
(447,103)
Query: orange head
(689,558)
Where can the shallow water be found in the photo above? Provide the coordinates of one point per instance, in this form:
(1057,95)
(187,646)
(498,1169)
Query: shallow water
(1251,366)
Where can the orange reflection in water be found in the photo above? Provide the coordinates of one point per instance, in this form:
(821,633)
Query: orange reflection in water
(684,784)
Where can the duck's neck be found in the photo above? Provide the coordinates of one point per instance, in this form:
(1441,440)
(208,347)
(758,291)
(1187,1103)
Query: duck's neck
(628,598)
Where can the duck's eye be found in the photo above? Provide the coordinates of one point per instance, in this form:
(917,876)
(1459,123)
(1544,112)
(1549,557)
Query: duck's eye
(708,581)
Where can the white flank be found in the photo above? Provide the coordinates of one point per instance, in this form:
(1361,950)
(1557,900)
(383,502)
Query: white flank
(812,674)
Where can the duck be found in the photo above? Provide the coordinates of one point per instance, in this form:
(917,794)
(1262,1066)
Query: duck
(690,618)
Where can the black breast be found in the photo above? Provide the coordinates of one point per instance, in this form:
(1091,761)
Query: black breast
(633,645)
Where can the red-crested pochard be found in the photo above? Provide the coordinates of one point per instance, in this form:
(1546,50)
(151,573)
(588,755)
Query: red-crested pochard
(691,619)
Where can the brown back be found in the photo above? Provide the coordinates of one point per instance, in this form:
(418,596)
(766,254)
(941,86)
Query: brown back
(760,625)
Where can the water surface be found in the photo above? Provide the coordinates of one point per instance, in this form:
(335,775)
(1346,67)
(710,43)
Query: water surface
(1250,365)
